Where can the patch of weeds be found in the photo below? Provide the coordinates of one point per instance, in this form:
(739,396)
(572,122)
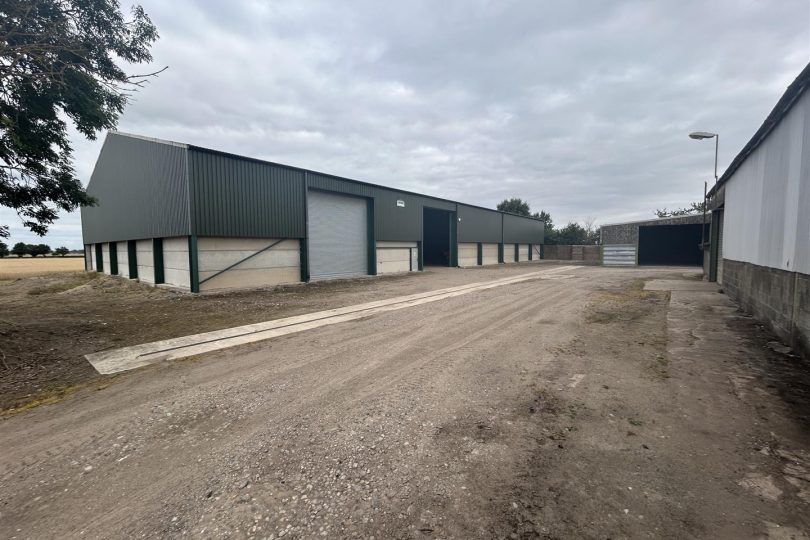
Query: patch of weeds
(635,422)
(57,393)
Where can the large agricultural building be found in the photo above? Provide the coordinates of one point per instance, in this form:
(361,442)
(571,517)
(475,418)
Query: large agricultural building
(203,220)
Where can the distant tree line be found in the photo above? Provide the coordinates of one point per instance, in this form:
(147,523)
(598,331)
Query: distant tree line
(571,234)
(22,249)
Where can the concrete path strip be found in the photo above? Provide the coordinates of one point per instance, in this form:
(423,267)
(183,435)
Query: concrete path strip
(127,358)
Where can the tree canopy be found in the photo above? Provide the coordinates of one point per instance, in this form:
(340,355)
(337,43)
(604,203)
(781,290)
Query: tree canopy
(58,62)
(515,205)
(573,233)
(694,208)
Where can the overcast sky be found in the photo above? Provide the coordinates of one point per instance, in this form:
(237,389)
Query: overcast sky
(580,107)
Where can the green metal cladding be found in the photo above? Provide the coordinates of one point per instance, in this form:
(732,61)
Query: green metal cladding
(147,188)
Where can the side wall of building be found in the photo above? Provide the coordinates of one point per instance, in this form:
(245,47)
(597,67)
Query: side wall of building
(766,229)
(141,189)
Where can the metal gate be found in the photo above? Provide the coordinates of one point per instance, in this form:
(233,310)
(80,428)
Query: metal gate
(720,247)
(337,235)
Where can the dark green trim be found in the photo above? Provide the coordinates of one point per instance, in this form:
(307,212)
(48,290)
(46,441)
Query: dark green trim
(99,259)
(132,256)
(303,247)
(114,258)
(500,252)
(517,252)
(453,238)
(542,251)
(303,244)
(480,253)
(419,255)
(193,266)
(372,240)
(530,251)
(157,254)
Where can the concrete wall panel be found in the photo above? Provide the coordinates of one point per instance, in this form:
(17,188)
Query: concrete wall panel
(509,253)
(278,265)
(490,253)
(146,261)
(395,257)
(123,259)
(467,254)
(176,262)
(523,252)
(105,257)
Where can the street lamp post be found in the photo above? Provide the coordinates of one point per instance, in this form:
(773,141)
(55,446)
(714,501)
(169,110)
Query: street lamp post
(700,135)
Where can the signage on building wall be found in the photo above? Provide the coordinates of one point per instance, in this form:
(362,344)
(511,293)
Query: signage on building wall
(401,203)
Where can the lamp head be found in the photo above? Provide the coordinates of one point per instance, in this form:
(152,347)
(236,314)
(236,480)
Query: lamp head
(702,135)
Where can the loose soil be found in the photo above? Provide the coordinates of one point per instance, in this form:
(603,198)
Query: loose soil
(582,406)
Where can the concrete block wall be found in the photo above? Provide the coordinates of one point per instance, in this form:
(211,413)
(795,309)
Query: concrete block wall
(278,265)
(395,257)
(105,258)
(176,265)
(779,298)
(468,254)
(146,261)
(489,253)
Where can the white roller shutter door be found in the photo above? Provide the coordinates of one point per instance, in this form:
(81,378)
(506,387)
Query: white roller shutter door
(338,235)
(720,247)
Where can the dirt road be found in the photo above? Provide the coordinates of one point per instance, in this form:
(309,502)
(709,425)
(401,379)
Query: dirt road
(581,406)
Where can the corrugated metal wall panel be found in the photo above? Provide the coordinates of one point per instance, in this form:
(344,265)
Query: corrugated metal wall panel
(142,190)
(479,225)
(235,197)
(619,255)
(518,229)
(766,221)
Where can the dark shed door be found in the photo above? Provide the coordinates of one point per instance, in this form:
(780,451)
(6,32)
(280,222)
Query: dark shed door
(670,245)
(338,235)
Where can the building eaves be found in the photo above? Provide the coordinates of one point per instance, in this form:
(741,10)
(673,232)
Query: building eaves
(783,106)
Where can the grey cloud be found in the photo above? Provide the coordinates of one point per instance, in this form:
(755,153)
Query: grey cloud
(580,107)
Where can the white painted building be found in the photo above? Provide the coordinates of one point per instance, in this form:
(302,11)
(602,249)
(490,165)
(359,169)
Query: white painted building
(761,205)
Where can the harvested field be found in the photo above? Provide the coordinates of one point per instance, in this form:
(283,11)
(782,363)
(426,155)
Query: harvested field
(33,266)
